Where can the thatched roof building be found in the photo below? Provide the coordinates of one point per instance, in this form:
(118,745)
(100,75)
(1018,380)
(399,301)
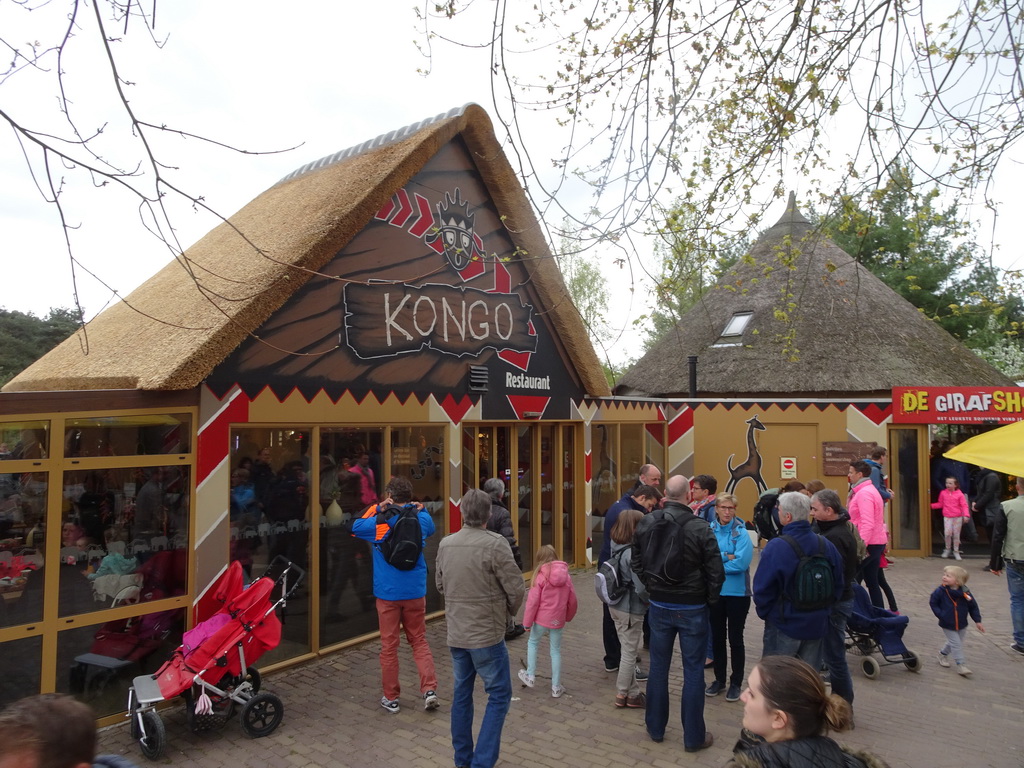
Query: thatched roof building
(800,317)
(175,329)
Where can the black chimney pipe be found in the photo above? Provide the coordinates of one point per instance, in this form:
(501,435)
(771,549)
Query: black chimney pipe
(692,361)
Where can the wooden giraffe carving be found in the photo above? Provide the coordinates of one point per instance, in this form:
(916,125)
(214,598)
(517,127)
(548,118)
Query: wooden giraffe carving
(752,466)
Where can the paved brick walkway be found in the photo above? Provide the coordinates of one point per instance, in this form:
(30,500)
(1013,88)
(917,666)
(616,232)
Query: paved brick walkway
(332,717)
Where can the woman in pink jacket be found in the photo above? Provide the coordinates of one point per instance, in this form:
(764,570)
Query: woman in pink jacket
(550,605)
(866,512)
(953,504)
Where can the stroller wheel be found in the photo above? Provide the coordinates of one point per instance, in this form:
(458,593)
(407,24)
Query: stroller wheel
(154,739)
(254,678)
(870,667)
(912,661)
(261,715)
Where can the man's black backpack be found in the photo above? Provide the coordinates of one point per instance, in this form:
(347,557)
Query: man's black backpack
(663,549)
(813,585)
(403,545)
(764,515)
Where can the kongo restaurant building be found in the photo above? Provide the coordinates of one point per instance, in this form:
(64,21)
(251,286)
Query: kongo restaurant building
(390,310)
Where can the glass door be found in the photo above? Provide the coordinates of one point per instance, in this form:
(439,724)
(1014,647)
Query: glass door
(910,518)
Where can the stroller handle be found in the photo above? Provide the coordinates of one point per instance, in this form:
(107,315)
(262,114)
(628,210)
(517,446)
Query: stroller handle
(283,567)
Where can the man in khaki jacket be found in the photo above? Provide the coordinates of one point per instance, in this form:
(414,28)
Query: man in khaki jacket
(482,586)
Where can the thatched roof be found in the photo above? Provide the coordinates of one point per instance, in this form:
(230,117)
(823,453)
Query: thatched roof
(171,332)
(821,325)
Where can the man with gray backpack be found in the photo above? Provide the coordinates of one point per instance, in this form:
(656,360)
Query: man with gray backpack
(799,578)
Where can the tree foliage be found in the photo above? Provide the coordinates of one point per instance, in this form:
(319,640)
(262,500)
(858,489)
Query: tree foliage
(725,103)
(687,270)
(921,250)
(24,338)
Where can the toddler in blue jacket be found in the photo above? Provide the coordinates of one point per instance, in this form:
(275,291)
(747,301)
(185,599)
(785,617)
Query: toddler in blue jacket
(952,602)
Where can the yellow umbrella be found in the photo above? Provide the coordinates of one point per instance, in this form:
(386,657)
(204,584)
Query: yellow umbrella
(1001,449)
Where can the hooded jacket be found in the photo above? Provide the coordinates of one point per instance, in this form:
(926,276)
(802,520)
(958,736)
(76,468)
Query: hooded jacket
(952,503)
(865,508)
(812,752)
(951,605)
(733,539)
(552,599)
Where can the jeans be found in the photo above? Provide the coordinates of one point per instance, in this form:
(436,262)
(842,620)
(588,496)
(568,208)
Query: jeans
(537,633)
(691,627)
(835,650)
(1015,583)
(410,614)
(728,618)
(630,629)
(778,643)
(492,665)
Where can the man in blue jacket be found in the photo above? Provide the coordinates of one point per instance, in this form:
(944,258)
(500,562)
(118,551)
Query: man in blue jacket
(789,631)
(401,596)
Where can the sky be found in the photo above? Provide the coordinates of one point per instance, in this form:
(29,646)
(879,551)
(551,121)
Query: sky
(322,77)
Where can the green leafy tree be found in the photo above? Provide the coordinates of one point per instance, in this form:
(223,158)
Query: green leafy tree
(687,270)
(923,251)
(726,103)
(24,338)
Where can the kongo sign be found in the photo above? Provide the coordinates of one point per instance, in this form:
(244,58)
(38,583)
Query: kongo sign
(957,405)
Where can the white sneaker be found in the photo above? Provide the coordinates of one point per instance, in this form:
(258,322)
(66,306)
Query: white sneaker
(957,556)
(943,659)
(430,701)
(961,669)
(526,678)
(945,553)
(557,691)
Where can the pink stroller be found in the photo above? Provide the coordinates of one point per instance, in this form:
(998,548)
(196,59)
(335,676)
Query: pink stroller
(212,668)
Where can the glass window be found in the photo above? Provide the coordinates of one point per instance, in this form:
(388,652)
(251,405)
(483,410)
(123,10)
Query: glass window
(22,546)
(124,536)
(148,435)
(97,663)
(20,668)
(547,479)
(568,495)
(24,440)
(418,454)
(632,452)
(524,501)
(737,324)
(472,475)
(350,480)
(606,484)
(270,515)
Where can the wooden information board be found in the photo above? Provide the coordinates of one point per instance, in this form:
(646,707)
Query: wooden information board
(837,456)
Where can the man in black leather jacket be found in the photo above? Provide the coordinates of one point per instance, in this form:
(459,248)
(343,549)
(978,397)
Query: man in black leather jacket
(676,556)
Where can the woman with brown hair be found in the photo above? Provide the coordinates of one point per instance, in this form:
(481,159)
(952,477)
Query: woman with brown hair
(788,712)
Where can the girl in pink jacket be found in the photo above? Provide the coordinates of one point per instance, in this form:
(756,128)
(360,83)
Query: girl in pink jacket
(953,504)
(550,605)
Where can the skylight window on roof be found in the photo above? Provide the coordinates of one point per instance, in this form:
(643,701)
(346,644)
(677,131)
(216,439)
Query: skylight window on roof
(737,324)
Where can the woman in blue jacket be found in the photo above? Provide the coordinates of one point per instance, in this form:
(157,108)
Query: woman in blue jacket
(729,614)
